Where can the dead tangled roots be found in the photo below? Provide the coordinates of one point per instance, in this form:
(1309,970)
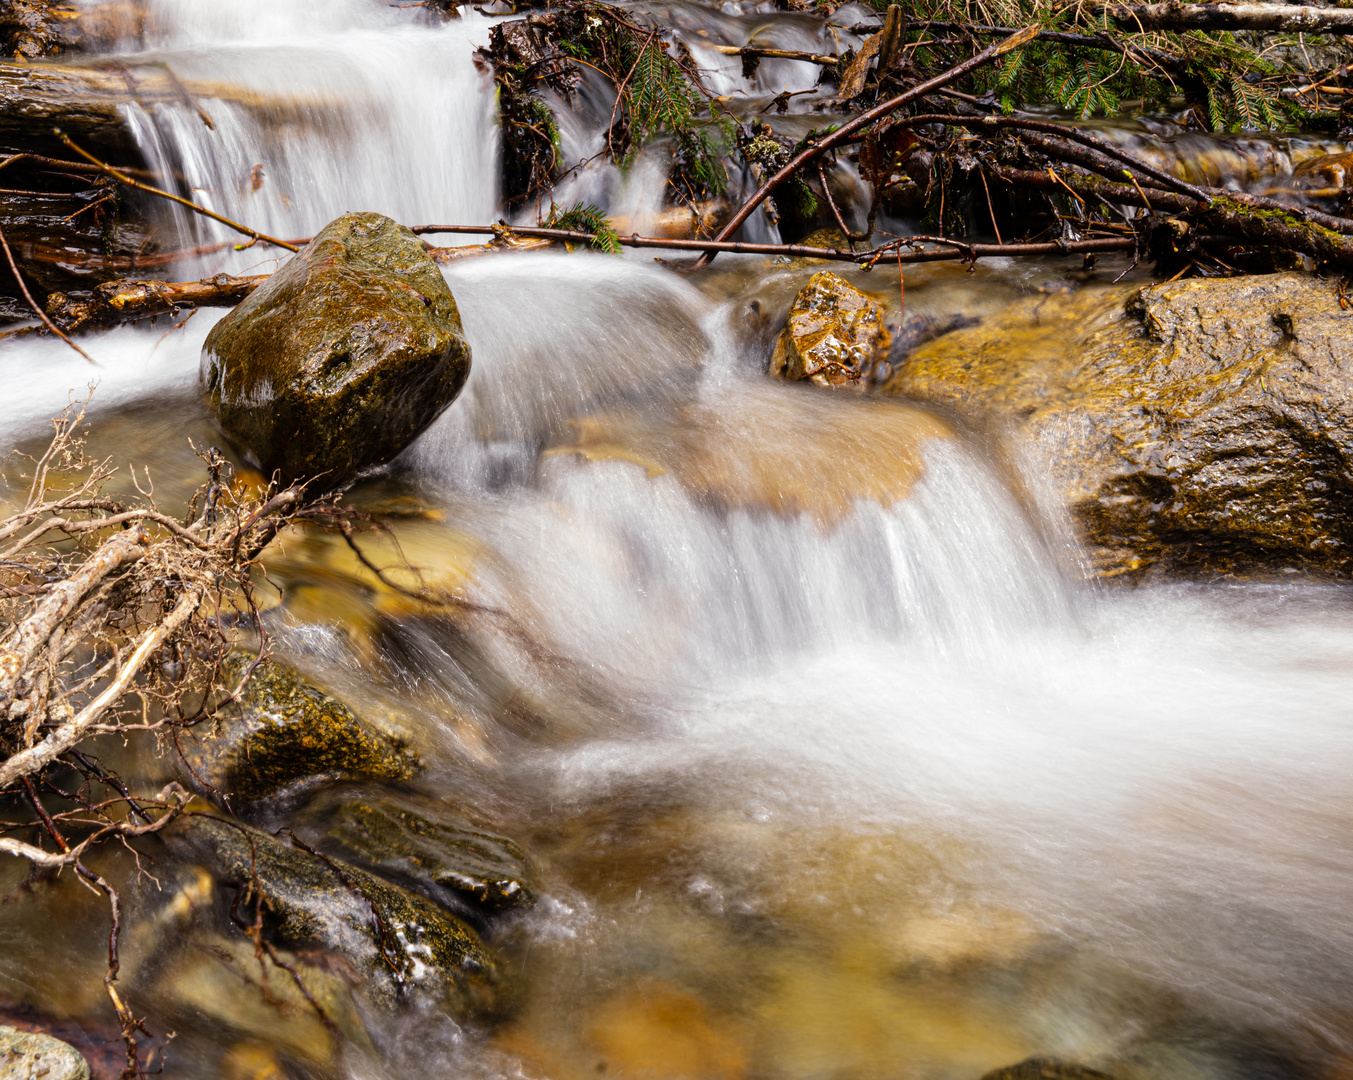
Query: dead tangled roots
(114,618)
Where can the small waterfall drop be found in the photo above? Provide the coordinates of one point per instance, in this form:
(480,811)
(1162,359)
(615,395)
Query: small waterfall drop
(320,113)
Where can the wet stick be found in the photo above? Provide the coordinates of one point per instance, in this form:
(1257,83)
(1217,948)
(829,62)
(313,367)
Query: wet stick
(990,53)
(9,257)
(122,178)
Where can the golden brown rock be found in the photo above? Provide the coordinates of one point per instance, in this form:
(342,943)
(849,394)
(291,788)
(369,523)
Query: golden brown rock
(771,449)
(834,335)
(1194,425)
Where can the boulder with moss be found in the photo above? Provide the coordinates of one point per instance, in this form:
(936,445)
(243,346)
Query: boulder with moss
(341,358)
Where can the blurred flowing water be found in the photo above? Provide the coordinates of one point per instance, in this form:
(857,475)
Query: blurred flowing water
(831,763)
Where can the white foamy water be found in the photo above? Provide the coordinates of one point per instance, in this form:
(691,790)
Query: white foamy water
(354,108)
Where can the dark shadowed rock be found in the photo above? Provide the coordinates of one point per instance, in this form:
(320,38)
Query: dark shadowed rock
(342,357)
(400,945)
(1196,425)
(283,735)
(1041,1068)
(424,842)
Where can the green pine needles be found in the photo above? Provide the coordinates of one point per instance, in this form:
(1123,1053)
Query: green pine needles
(582,217)
(659,95)
(1231,81)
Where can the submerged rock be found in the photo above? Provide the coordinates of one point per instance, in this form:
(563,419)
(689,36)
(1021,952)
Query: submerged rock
(284,735)
(834,336)
(341,358)
(1194,425)
(399,944)
(29,1055)
(764,449)
(424,842)
(310,1026)
(1041,1068)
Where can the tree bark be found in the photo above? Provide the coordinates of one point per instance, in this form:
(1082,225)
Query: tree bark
(1284,18)
(127,301)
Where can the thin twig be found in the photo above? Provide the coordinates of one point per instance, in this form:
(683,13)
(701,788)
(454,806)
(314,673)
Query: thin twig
(123,178)
(9,255)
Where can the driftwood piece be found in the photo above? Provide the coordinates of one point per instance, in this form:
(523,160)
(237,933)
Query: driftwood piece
(85,102)
(1274,18)
(117,302)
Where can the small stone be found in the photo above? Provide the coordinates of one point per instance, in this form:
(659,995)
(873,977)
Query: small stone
(341,358)
(283,736)
(834,335)
(27,1055)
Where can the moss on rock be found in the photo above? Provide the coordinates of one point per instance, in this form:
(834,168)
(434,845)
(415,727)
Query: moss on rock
(283,735)
(341,358)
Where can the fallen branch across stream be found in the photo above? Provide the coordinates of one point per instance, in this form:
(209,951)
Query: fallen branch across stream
(866,256)
(992,52)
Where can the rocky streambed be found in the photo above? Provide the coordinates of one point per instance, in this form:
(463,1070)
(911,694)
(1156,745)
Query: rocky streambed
(774,670)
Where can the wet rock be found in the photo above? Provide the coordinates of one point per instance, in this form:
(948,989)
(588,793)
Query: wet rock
(764,449)
(1196,425)
(399,944)
(284,735)
(342,357)
(1041,1068)
(219,979)
(424,842)
(28,1055)
(834,335)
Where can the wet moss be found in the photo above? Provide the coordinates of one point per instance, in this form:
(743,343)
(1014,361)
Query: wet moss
(284,735)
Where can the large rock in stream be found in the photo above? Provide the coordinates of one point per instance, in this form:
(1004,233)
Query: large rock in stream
(1201,425)
(400,945)
(340,359)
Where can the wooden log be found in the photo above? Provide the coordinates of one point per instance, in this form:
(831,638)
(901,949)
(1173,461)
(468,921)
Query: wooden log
(1274,18)
(116,302)
(85,101)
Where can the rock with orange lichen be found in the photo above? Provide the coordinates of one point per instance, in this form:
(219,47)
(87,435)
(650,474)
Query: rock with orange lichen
(834,335)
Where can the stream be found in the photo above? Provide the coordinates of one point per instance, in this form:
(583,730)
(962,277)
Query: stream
(831,762)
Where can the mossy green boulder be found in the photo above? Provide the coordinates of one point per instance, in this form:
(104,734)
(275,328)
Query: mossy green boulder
(423,842)
(1201,425)
(340,359)
(401,946)
(283,736)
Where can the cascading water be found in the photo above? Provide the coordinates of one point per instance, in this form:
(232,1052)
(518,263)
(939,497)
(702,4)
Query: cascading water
(830,764)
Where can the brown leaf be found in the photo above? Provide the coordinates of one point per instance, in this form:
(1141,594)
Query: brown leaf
(852,82)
